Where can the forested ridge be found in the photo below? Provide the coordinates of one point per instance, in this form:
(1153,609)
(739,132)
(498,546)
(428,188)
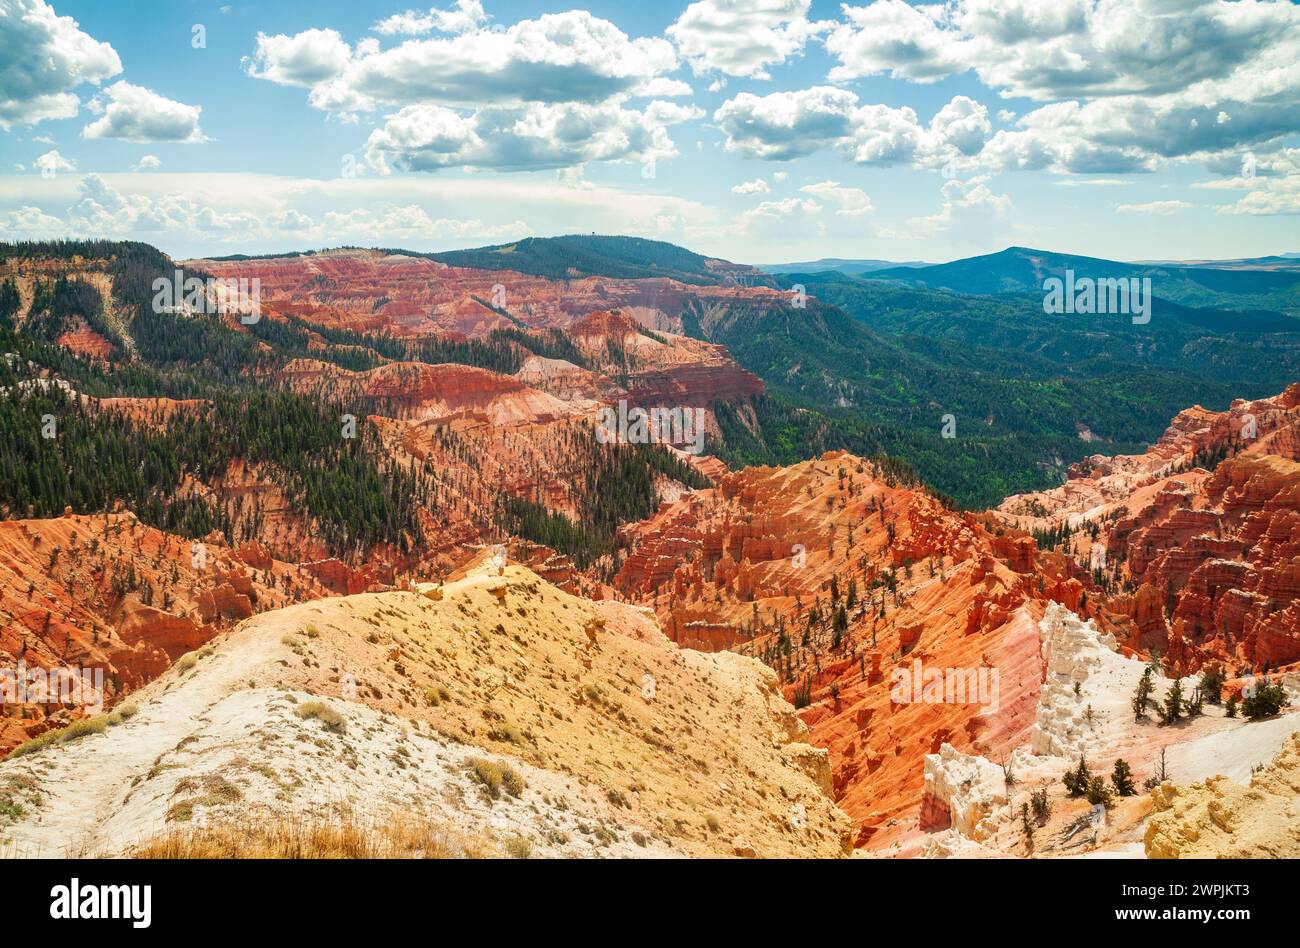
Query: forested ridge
(60,451)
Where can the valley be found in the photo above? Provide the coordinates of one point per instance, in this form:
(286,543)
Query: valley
(376,529)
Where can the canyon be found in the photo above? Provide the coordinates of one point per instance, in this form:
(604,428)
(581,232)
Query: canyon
(817,659)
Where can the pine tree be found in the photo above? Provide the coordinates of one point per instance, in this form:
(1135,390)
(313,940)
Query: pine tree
(1142,699)
(1077,780)
(1173,707)
(1122,778)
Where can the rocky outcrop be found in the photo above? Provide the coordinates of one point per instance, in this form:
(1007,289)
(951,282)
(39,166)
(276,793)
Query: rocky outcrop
(495,675)
(109,592)
(962,793)
(1217,818)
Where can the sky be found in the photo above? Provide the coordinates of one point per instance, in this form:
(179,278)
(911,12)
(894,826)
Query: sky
(760,131)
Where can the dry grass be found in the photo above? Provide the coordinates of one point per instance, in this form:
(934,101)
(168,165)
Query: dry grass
(496,777)
(82,727)
(322,712)
(400,836)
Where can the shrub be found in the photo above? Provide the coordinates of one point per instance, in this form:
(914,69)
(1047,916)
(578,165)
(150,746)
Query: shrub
(519,847)
(1265,699)
(1097,791)
(82,727)
(495,777)
(505,731)
(322,712)
(1212,679)
(1042,807)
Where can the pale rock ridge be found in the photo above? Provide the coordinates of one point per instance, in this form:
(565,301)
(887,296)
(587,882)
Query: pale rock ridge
(1076,653)
(627,745)
(1216,818)
(963,791)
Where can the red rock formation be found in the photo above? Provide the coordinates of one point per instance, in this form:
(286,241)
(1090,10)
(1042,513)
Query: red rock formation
(744,565)
(108,592)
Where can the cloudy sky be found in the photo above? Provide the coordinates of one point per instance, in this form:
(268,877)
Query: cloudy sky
(757,130)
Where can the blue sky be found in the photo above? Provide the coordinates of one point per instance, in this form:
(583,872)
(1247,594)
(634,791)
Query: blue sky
(760,131)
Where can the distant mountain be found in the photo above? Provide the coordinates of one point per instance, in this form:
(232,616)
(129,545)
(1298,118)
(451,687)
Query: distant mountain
(1023,270)
(1281,261)
(840,265)
(583,255)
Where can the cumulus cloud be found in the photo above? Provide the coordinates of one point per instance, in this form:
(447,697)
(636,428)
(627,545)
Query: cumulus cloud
(757,186)
(1129,83)
(136,114)
(467,15)
(964,203)
(785,125)
(559,57)
(536,136)
(303,59)
(773,211)
(148,163)
(32,223)
(1057,49)
(850,202)
(52,163)
(1272,184)
(743,37)
(894,37)
(43,56)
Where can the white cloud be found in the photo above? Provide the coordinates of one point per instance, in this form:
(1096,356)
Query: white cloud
(1090,182)
(467,15)
(776,210)
(964,202)
(43,57)
(1274,188)
(1130,83)
(31,223)
(559,57)
(136,114)
(785,125)
(892,36)
(303,59)
(757,186)
(52,163)
(1056,49)
(411,221)
(1163,208)
(538,136)
(851,202)
(148,163)
(743,37)
(193,214)
(662,87)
